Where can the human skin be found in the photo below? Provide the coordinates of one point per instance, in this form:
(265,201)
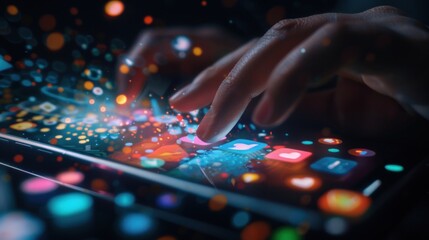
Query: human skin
(380,58)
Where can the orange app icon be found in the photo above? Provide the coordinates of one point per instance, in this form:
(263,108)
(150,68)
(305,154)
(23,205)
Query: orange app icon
(169,153)
(304,183)
(344,202)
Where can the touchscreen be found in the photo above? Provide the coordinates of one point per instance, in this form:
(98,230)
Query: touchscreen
(71,103)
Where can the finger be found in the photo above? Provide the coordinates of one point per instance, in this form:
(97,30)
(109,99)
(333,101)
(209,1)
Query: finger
(315,59)
(201,91)
(247,78)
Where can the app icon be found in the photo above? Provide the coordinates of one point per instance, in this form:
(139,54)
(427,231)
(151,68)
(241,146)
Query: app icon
(242,146)
(330,141)
(344,202)
(361,152)
(302,182)
(169,153)
(22,126)
(288,155)
(192,139)
(333,165)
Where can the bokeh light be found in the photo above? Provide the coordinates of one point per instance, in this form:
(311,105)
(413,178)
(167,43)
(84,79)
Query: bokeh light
(69,204)
(114,8)
(121,99)
(218,202)
(38,186)
(70,177)
(12,10)
(135,224)
(125,199)
(148,20)
(20,225)
(55,41)
(47,22)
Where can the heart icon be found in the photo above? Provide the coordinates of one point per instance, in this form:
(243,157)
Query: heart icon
(291,155)
(305,182)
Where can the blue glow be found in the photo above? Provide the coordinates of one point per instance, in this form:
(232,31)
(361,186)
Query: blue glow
(333,150)
(167,200)
(69,204)
(307,142)
(4,65)
(394,168)
(156,110)
(135,224)
(125,199)
(240,219)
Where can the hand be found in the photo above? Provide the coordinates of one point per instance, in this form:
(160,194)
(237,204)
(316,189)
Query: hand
(380,57)
(153,53)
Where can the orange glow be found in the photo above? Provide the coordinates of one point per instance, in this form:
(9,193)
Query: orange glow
(124,69)
(55,41)
(256,231)
(218,202)
(114,8)
(148,20)
(197,51)
(121,99)
(12,10)
(169,153)
(47,22)
(153,68)
(88,85)
(91,101)
(74,11)
(102,109)
(18,158)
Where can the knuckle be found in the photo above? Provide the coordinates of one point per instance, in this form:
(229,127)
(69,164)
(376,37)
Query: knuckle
(284,25)
(386,10)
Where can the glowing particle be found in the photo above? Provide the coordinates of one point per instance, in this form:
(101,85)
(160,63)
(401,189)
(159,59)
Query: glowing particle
(70,177)
(256,230)
(302,50)
(286,233)
(102,109)
(148,20)
(307,142)
(167,200)
(181,43)
(204,3)
(240,219)
(333,150)
(12,10)
(91,101)
(135,224)
(114,8)
(97,91)
(20,225)
(38,186)
(88,85)
(124,69)
(394,168)
(218,202)
(126,150)
(69,204)
(18,158)
(330,141)
(121,99)
(55,41)
(250,177)
(197,51)
(153,68)
(124,199)
(44,130)
(151,162)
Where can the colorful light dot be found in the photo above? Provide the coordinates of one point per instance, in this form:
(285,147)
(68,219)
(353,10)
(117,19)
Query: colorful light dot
(12,10)
(88,85)
(69,204)
(218,202)
(114,8)
(55,41)
(333,150)
(307,142)
(148,20)
(70,177)
(240,219)
(286,233)
(197,51)
(124,199)
(121,99)
(394,168)
(135,224)
(38,186)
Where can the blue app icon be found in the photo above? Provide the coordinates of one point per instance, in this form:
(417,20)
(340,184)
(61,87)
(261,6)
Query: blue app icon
(242,146)
(334,165)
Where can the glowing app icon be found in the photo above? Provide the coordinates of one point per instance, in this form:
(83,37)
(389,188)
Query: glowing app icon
(169,153)
(305,183)
(192,139)
(333,165)
(361,152)
(344,202)
(330,141)
(288,155)
(243,146)
(22,126)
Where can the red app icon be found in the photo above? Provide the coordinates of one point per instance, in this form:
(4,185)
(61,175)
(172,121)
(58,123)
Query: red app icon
(344,202)
(288,155)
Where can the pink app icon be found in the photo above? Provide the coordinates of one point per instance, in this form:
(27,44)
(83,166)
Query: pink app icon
(288,155)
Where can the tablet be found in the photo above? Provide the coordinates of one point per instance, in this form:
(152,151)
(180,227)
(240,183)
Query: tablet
(296,175)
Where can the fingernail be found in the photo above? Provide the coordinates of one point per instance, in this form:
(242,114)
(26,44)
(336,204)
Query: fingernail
(265,110)
(178,95)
